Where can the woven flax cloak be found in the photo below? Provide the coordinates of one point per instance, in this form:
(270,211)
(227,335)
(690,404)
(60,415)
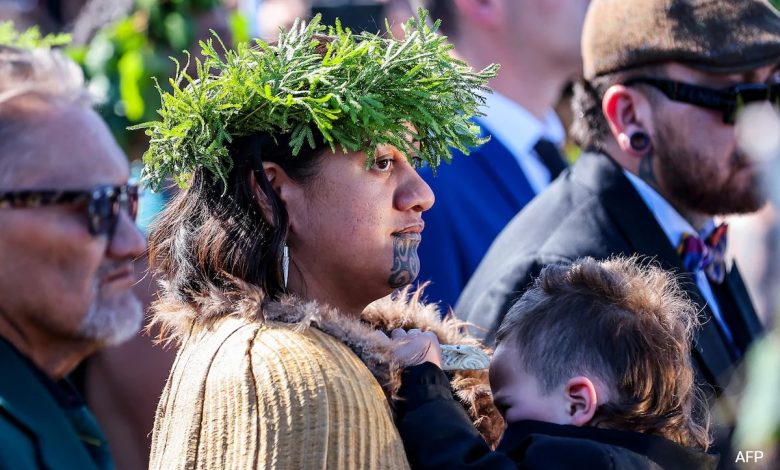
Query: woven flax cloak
(295,387)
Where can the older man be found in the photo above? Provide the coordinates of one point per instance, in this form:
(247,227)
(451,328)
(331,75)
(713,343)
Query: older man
(664,82)
(537,43)
(67,242)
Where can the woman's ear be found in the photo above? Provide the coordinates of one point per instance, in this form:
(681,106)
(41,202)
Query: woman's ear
(581,400)
(278,182)
(275,175)
(628,114)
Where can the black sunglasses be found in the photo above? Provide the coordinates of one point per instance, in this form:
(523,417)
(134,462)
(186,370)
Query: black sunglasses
(103,203)
(727,100)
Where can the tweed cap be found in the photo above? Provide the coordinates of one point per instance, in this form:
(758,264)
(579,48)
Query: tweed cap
(722,36)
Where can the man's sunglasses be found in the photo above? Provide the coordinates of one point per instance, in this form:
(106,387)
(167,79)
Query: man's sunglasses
(104,203)
(729,100)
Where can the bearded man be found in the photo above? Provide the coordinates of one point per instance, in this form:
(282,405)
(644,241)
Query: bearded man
(664,83)
(67,241)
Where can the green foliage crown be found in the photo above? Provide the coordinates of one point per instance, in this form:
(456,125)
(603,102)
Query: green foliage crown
(356,91)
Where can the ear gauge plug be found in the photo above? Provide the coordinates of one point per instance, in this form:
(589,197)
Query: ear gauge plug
(639,141)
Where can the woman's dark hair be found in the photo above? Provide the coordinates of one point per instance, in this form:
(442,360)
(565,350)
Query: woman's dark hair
(212,233)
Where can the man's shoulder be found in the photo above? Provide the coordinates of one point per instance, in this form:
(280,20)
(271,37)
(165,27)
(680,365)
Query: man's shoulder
(24,400)
(17,449)
(34,430)
(567,221)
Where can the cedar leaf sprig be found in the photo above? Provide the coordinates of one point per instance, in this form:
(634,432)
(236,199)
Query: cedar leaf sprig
(356,91)
(31,38)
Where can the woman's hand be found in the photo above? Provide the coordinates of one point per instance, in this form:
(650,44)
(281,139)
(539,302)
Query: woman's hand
(416,347)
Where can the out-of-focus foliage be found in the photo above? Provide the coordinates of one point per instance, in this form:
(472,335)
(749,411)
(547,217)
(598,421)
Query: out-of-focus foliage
(776,3)
(30,38)
(122,60)
(758,427)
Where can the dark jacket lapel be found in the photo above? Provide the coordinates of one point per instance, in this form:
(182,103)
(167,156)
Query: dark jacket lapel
(736,287)
(640,228)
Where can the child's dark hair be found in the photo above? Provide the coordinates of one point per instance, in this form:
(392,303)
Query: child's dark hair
(625,323)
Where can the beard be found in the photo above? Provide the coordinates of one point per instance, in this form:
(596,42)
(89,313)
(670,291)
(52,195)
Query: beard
(112,320)
(692,181)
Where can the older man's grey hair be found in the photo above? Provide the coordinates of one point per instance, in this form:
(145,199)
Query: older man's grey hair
(43,74)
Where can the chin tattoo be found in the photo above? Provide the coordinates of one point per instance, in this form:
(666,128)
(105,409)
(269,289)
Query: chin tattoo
(406,263)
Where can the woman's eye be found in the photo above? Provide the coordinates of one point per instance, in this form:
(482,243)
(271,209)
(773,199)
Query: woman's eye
(383,164)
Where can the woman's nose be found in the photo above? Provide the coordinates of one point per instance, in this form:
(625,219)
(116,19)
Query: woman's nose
(415,194)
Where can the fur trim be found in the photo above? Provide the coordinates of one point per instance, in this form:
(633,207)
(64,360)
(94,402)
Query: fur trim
(366,336)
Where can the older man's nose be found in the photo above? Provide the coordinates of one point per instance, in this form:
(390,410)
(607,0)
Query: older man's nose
(128,241)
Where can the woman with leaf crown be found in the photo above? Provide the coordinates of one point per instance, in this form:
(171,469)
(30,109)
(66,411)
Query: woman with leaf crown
(301,215)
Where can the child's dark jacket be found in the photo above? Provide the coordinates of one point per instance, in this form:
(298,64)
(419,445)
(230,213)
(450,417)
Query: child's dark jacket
(438,434)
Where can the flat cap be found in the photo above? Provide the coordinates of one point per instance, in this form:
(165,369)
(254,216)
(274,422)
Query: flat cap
(722,36)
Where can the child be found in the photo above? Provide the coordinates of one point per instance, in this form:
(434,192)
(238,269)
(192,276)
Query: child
(592,369)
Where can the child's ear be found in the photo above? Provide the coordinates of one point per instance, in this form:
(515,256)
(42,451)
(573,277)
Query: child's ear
(581,400)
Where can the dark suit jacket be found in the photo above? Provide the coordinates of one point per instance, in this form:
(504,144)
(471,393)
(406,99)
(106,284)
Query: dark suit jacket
(438,434)
(594,210)
(476,196)
(35,431)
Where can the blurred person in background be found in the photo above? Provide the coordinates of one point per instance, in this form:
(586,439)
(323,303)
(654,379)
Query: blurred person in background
(537,43)
(67,244)
(357,15)
(664,84)
(122,384)
(267,16)
(270,15)
(50,16)
(758,427)
(398,11)
(754,239)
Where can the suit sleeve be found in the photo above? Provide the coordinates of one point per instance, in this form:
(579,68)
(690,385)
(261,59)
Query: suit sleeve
(436,431)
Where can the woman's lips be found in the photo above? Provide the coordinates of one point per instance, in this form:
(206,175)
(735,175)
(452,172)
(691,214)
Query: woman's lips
(414,229)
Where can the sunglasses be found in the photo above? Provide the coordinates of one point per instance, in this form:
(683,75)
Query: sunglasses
(104,203)
(729,101)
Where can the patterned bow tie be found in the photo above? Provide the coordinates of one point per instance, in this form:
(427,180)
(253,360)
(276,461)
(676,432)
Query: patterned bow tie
(707,255)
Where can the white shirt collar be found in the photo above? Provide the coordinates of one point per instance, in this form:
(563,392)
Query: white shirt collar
(516,127)
(672,223)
